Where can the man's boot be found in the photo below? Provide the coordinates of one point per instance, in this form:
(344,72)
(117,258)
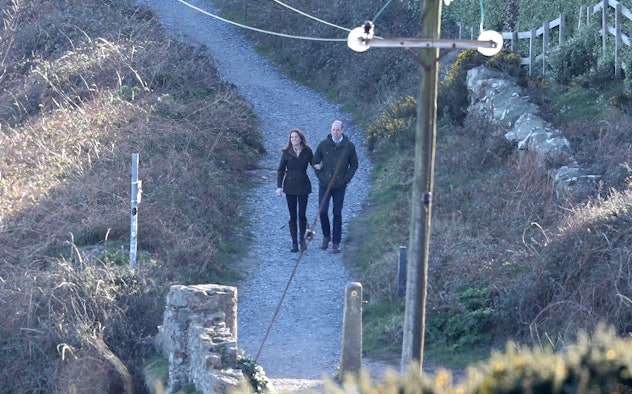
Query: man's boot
(303,230)
(293,233)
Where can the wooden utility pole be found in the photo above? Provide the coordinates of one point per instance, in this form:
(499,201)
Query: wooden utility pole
(420,223)
(489,43)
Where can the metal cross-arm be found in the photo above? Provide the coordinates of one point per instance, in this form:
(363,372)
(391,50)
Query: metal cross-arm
(362,38)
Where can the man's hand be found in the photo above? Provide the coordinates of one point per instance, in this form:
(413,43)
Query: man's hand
(318,166)
(279,192)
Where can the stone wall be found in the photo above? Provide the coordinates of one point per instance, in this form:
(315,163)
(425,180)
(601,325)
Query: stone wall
(499,100)
(199,338)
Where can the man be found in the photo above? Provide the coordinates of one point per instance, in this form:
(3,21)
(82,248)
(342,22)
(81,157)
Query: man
(337,162)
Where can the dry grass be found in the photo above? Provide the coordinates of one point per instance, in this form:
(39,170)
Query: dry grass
(83,86)
(584,277)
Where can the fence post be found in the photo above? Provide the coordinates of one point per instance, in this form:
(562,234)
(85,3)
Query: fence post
(351,352)
(562,36)
(514,40)
(545,45)
(617,41)
(604,26)
(532,51)
(401,272)
(582,13)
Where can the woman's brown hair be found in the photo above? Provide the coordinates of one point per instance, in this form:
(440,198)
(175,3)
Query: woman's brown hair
(301,135)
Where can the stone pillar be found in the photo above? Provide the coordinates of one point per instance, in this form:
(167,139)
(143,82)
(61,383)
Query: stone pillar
(199,337)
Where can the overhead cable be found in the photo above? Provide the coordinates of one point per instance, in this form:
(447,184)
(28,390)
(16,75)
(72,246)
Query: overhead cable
(258,30)
(310,16)
(381,9)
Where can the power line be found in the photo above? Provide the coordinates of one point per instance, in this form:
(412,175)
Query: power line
(310,16)
(381,9)
(259,30)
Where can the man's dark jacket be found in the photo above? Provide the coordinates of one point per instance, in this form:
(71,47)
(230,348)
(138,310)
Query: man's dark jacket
(331,154)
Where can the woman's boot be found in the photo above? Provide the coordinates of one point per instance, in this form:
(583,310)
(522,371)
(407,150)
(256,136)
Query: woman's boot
(293,233)
(303,229)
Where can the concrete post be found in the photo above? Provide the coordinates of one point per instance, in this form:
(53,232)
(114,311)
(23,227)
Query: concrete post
(351,352)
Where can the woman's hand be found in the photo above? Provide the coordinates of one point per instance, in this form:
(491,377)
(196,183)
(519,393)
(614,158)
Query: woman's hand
(279,192)
(318,166)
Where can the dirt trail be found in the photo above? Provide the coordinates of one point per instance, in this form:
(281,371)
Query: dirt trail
(303,345)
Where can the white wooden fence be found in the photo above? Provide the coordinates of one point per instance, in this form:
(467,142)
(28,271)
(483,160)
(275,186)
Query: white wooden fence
(586,14)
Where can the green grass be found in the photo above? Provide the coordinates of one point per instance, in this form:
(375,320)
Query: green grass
(389,207)
(574,103)
(382,330)
(450,359)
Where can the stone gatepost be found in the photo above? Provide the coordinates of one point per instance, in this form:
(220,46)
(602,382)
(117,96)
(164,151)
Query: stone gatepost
(199,337)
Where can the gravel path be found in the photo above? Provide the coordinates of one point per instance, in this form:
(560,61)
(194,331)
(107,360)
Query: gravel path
(303,345)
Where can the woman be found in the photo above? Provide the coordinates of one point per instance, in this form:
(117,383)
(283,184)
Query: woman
(292,180)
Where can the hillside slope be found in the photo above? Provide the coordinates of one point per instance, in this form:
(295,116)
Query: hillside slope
(83,85)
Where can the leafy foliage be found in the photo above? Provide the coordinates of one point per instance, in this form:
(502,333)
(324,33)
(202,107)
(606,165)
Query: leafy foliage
(465,322)
(254,373)
(576,57)
(598,363)
(396,124)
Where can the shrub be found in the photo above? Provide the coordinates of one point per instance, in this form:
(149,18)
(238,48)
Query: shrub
(254,374)
(597,363)
(576,57)
(397,125)
(465,320)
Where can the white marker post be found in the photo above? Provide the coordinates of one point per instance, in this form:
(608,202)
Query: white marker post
(135,200)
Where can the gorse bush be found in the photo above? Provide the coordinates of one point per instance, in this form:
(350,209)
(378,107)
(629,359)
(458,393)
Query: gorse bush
(452,94)
(396,124)
(597,363)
